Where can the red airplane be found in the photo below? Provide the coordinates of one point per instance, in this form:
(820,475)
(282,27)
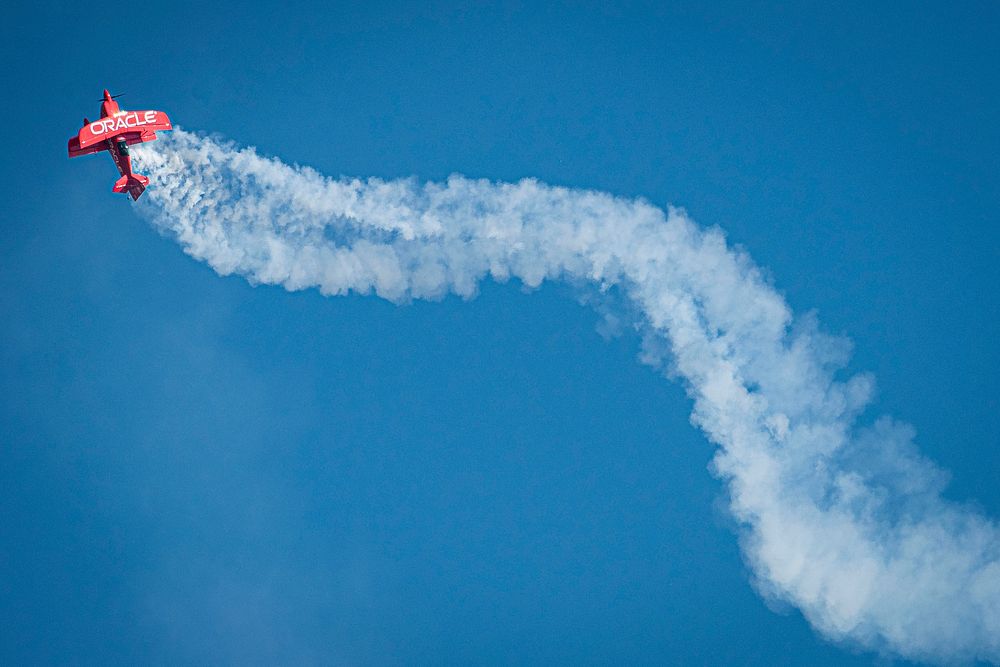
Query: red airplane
(115,132)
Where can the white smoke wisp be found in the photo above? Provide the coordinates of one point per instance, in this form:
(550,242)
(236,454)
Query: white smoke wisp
(841,519)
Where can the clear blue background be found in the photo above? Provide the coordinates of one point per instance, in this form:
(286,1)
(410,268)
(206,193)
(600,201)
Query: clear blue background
(193,470)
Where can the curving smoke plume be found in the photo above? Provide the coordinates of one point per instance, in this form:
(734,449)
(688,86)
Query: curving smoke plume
(843,520)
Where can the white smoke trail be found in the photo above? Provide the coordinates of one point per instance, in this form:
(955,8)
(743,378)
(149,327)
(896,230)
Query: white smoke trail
(842,520)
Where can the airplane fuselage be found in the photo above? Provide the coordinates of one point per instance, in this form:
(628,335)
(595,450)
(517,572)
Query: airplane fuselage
(119,153)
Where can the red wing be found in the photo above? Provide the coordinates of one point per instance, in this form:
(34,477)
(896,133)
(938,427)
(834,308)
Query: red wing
(140,137)
(76,151)
(126,122)
(131,138)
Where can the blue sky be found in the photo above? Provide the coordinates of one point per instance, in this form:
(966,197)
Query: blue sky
(196,470)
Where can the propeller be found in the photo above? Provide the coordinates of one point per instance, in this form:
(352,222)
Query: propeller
(114,97)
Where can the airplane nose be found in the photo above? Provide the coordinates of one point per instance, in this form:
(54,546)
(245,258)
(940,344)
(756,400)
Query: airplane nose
(107,95)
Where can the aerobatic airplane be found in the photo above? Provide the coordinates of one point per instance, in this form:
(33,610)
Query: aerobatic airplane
(116,130)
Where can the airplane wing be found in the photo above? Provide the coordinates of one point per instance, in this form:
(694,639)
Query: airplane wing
(140,137)
(125,123)
(76,151)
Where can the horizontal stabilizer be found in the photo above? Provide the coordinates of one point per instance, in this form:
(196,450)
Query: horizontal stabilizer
(133,184)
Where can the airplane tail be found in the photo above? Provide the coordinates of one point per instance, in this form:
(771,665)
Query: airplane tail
(134,184)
